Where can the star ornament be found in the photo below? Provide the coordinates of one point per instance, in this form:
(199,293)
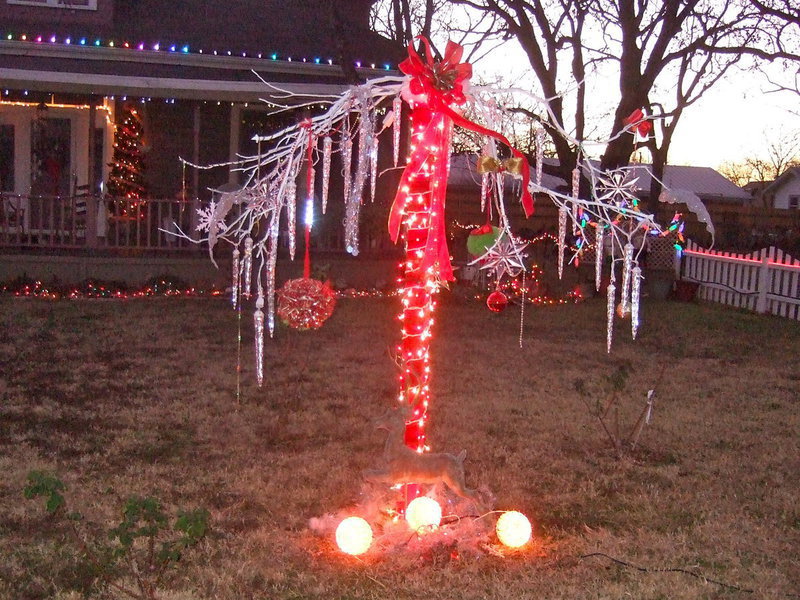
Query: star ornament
(505,257)
(616,187)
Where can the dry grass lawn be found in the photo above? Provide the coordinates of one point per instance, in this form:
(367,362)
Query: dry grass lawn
(139,397)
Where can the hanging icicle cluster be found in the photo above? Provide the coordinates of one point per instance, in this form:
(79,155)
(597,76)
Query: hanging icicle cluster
(252,218)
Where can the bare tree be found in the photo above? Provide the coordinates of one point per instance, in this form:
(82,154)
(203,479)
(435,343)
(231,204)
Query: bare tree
(781,155)
(785,38)
(403,20)
(663,54)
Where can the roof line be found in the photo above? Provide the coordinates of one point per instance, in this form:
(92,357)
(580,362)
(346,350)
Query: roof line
(147,56)
(160,87)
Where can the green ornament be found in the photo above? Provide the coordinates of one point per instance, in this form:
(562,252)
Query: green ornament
(483,238)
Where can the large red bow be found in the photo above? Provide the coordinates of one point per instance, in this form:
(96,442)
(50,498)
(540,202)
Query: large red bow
(435,87)
(440,81)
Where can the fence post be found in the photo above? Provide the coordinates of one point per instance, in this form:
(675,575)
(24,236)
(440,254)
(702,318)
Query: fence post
(763,282)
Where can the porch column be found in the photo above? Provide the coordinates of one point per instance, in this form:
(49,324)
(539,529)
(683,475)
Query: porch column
(195,203)
(233,146)
(91,184)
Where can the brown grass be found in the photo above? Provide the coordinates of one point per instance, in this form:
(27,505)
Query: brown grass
(139,397)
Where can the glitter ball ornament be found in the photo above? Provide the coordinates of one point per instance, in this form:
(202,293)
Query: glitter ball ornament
(305,303)
(497,301)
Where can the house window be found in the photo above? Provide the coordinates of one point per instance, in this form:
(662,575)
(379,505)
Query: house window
(794,202)
(69,4)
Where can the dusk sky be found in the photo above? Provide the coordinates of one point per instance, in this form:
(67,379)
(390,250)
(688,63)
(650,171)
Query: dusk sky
(734,120)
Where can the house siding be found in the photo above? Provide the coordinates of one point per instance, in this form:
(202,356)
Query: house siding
(46,20)
(784,192)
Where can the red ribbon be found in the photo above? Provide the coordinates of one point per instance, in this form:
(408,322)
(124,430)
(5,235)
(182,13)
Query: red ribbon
(438,86)
(638,119)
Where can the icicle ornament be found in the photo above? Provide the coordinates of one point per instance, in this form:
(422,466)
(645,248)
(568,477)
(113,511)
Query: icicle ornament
(636,281)
(598,256)
(346,148)
(610,306)
(397,109)
(576,182)
(235,278)
(539,137)
(272,261)
(626,277)
(576,186)
(291,214)
(258,321)
(484,190)
(247,266)
(373,176)
(500,186)
(562,237)
(327,148)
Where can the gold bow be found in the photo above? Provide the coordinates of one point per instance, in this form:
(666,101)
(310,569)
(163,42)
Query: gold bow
(489,164)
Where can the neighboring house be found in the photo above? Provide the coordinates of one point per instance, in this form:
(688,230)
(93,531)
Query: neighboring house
(784,192)
(191,67)
(756,191)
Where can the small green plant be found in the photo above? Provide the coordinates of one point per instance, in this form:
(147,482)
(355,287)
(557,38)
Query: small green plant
(144,547)
(603,402)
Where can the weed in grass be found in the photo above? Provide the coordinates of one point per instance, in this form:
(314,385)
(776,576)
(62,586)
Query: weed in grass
(143,547)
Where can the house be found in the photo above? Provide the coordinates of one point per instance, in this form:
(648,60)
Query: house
(192,69)
(784,192)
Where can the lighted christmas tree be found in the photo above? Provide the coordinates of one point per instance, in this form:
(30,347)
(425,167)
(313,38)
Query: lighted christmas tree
(126,179)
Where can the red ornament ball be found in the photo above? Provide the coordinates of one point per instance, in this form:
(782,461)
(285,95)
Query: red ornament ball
(305,303)
(497,301)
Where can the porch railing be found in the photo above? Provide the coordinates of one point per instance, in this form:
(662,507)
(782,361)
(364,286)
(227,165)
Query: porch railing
(94,222)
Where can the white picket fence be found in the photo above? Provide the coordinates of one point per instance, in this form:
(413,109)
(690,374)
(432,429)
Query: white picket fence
(766,281)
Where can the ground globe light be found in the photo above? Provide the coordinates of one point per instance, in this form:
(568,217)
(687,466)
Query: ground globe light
(423,513)
(354,536)
(513,529)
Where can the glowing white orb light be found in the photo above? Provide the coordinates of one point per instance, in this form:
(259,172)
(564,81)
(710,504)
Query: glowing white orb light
(354,535)
(423,512)
(513,529)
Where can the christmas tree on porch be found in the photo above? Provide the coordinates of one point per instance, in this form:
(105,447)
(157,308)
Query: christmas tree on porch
(126,178)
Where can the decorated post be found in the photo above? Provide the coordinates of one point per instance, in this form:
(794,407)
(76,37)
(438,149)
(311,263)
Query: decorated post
(433,91)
